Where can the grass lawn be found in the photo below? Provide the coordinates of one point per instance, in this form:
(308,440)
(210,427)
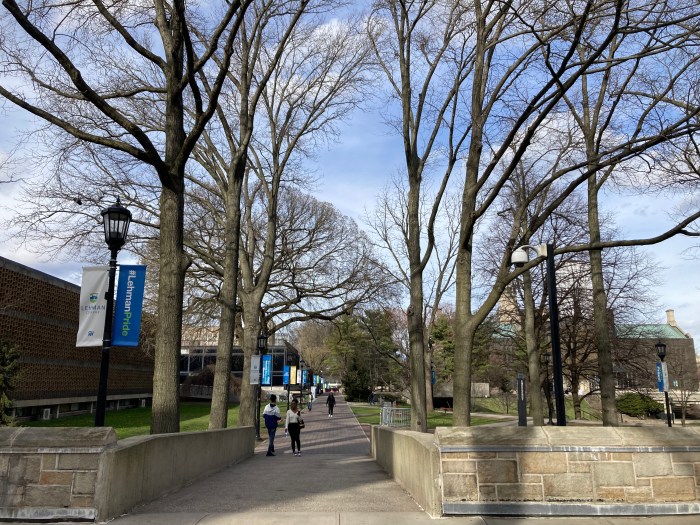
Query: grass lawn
(370,414)
(137,421)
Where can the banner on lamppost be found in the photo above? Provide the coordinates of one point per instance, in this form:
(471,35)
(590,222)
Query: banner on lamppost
(662,376)
(285,375)
(128,305)
(93,306)
(303,377)
(255,370)
(292,375)
(267,369)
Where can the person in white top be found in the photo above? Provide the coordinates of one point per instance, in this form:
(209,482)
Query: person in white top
(291,425)
(272,417)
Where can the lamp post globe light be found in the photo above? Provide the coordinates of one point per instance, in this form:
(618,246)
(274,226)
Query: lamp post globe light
(116,220)
(661,352)
(261,349)
(519,258)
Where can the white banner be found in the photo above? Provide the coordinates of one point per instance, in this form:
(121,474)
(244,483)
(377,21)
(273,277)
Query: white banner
(254,370)
(93,306)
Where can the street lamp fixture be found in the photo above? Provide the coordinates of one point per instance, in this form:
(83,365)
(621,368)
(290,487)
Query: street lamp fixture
(661,352)
(519,258)
(116,221)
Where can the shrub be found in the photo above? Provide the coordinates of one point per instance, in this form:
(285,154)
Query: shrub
(638,405)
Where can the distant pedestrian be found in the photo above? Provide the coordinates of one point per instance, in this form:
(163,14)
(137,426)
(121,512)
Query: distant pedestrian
(293,425)
(272,417)
(309,404)
(331,403)
(371,399)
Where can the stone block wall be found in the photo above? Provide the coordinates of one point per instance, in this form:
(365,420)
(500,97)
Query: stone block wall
(50,473)
(547,471)
(85,474)
(592,471)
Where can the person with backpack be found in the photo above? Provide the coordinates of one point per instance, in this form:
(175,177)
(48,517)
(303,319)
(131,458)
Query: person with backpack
(272,418)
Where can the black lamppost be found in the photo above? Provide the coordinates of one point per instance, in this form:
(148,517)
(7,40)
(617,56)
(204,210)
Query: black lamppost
(519,258)
(547,386)
(116,220)
(261,348)
(661,352)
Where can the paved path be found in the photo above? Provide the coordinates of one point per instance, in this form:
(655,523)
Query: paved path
(334,474)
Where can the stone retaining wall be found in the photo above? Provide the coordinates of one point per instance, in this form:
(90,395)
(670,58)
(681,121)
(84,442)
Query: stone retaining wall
(560,470)
(85,474)
(50,473)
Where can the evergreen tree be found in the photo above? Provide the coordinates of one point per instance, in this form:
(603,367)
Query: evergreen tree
(9,367)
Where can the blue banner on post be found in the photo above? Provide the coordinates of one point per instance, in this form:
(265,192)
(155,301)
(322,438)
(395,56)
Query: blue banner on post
(660,377)
(285,375)
(267,369)
(303,377)
(128,305)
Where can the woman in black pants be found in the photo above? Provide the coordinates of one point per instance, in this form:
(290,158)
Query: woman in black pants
(291,425)
(331,403)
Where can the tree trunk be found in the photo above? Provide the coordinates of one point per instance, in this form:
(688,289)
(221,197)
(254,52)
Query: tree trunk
(415,310)
(165,414)
(246,413)
(464,340)
(533,354)
(227,323)
(600,313)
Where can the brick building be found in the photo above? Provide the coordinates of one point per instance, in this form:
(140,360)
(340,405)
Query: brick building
(39,315)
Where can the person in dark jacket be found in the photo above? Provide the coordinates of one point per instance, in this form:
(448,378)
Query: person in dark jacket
(331,403)
(272,418)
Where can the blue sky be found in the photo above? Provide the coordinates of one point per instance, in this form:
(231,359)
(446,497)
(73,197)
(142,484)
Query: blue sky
(353,171)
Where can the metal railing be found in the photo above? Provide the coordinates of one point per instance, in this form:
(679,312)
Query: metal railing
(394,417)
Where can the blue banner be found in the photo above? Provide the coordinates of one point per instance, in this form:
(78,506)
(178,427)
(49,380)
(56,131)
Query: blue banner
(303,377)
(285,375)
(659,377)
(128,305)
(267,369)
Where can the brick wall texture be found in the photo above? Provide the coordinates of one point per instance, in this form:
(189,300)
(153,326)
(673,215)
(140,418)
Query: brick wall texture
(39,314)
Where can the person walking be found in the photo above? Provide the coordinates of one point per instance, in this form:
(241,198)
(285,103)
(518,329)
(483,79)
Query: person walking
(331,403)
(292,425)
(272,417)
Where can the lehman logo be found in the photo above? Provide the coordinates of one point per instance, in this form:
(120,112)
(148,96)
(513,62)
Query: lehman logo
(93,297)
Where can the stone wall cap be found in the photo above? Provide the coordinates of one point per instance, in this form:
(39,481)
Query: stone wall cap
(488,435)
(65,437)
(567,437)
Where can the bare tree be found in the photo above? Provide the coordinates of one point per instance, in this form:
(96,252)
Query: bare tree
(86,69)
(302,88)
(388,223)
(423,50)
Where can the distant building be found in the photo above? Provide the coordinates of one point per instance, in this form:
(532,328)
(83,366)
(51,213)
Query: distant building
(39,315)
(636,355)
(634,351)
